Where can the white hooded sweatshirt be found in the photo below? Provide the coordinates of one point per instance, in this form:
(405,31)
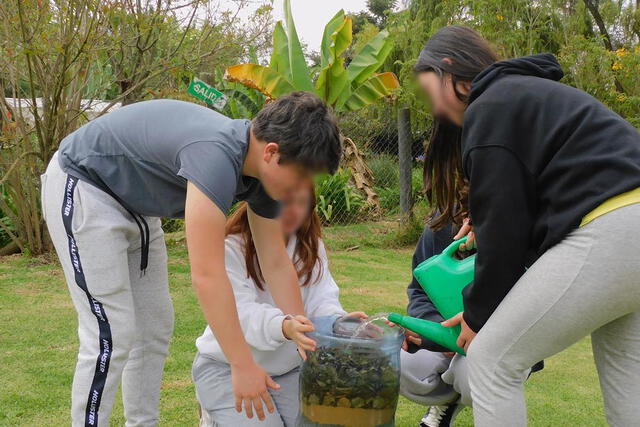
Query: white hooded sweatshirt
(260,319)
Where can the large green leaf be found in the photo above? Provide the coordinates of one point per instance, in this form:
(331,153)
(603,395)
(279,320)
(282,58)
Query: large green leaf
(268,81)
(370,58)
(332,26)
(376,87)
(280,55)
(300,76)
(333,80)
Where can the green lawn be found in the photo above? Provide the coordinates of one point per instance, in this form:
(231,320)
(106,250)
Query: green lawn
(38,338)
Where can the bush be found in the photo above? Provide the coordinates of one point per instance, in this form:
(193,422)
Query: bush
(337,201)
(385,169)
(389,195)
(6,222)
(172,225)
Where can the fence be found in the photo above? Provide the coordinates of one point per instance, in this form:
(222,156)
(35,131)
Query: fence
(391,163)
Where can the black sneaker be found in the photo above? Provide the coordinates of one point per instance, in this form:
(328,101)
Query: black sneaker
(441,416)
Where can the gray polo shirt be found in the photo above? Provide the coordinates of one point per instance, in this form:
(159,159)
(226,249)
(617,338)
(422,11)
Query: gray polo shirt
(144,153)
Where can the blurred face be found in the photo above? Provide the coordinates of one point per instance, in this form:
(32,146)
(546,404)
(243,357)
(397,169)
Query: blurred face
(296,208)
(280,179)
(441,95)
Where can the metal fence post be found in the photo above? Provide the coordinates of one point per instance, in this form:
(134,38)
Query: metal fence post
(405,160)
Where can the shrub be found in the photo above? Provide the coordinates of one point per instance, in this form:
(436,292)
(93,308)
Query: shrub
(390,195)
(385,170)
(172,225)
(337,201)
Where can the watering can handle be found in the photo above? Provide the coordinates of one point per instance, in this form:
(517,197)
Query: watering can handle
(453,247)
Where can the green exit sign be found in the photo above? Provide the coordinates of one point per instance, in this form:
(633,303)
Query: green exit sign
(207,93)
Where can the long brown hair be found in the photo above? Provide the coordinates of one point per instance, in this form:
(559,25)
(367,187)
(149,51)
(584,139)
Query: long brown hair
(306,251)
(445,186)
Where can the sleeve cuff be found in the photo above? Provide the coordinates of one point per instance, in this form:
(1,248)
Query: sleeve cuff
(275,329)
(473,322)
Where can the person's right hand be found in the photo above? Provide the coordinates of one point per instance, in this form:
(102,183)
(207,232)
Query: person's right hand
(294,329)
(411,337)
(466,230)
(250,384)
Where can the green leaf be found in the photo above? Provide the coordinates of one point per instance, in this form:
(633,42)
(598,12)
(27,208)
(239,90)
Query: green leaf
(333,80)
(299,71)
(370,58)
(376,87)
(326,54)
(271,83)
(280,55)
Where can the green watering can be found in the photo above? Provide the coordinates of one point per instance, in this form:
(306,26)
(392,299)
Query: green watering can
(443,278)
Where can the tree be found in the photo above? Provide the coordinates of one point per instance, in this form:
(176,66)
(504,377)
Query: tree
(57,56)
(156,40)
(344,88)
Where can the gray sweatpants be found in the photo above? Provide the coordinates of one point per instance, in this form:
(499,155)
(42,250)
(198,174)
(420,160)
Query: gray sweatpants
(589,283)
(433,379)
(125,318)
(214,391)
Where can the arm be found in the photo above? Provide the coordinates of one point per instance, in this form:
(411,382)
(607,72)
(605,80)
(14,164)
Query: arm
(275,263)
(204,223)
(261,323)
(324,295)
(501,198)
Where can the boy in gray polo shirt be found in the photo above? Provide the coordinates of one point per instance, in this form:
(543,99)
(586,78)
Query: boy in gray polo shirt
(103,195)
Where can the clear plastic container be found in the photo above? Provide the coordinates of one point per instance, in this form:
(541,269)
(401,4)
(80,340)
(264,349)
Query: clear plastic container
(351,381)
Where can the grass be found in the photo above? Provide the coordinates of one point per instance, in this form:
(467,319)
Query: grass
(38,338)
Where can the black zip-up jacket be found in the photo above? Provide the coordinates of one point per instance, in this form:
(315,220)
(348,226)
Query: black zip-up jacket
(539,156)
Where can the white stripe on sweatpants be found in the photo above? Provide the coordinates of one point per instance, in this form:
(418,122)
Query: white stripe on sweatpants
(104,341)
(98,244)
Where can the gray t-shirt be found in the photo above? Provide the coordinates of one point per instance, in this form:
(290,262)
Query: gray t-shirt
(144,154)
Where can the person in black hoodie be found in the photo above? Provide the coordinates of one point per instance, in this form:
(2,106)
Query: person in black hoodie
(554,202)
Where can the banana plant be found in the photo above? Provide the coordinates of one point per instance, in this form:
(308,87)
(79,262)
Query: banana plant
(242,101)
(344,88)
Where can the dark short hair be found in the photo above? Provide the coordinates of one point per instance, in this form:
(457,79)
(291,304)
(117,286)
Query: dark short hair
(305,130)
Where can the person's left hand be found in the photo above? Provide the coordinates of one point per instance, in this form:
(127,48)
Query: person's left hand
(466,334)
(359,314)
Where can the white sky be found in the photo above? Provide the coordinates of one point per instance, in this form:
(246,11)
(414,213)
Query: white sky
(310,16)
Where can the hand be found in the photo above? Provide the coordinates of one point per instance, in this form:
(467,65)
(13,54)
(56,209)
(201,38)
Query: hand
(466,230)
(466,334)
(294,329)
(250,384)
(411,337)
(358,314)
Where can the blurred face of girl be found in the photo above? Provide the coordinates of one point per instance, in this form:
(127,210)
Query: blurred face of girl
(296,207)
(442,96)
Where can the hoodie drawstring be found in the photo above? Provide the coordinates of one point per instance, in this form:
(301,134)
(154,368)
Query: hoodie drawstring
(144,240)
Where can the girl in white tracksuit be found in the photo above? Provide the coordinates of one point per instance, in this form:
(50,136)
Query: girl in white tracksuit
(266,328)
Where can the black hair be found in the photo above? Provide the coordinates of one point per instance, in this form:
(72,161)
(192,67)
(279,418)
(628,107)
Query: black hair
(467,55)
(305,130)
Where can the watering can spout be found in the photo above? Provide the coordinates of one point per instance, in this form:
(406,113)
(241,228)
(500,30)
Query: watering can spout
(445,336)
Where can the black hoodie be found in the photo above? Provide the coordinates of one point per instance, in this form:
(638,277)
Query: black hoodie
(539,156)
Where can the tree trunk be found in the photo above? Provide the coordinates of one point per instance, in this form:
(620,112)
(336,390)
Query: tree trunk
(592,5)
(405,160)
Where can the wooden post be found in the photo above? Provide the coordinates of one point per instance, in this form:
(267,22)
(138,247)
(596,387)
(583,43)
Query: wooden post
(405,160)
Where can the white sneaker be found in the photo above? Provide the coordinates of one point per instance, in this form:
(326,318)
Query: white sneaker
(441,416)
